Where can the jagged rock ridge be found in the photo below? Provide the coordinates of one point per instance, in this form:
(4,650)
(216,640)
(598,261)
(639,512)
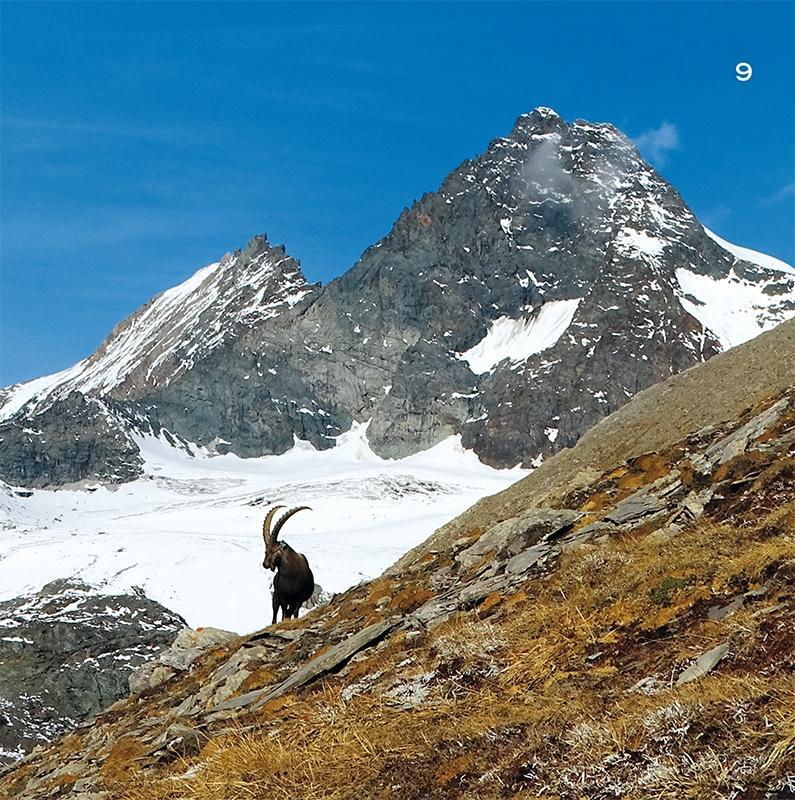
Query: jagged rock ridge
(545,283)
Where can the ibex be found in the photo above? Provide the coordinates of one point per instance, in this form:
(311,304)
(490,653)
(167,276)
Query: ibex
(293,583)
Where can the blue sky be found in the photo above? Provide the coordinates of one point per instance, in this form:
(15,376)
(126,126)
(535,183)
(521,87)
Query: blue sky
(142,141)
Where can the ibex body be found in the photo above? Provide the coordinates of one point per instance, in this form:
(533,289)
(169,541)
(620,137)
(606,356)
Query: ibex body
(293,583)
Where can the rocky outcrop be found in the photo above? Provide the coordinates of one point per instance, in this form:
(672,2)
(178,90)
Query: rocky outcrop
(67,653)
(75,439)
(188,645)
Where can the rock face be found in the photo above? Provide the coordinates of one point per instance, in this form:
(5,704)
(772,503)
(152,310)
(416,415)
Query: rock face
(188,645)
(73,439)
(67,653)
(546,282)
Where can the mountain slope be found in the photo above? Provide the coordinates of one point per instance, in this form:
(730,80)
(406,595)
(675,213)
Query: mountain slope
(703,396)
(180,326)
(630,638)
(546,282)
(79,423)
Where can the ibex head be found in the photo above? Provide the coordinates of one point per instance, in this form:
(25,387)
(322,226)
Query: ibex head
(273,547)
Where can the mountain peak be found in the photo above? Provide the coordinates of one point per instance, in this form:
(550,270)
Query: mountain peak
(257,246)
(577,274)
(539,121)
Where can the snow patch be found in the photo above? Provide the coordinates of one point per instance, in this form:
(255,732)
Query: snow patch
(632,242)
(746,254)
(22,393)
(733,309)
(518,339)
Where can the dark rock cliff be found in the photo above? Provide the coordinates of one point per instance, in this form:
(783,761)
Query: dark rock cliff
(67,653)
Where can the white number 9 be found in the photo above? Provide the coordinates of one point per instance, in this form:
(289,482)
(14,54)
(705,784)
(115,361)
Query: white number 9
(744,71)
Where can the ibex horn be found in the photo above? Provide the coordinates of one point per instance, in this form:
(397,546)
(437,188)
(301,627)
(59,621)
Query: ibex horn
(280,524)
(266,526)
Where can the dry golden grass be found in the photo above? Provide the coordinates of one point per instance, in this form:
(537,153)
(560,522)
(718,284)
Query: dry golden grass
(536,695)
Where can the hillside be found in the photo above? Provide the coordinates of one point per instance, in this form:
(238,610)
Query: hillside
(655,419)
(541,286)
(625,634)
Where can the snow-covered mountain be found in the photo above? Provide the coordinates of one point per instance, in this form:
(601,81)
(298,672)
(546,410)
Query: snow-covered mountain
(546,282)
(177,328)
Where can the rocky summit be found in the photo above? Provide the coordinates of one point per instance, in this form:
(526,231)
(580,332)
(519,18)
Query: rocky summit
(545,283)
(616,624)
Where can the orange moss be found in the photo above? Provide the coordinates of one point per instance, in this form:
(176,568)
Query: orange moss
(263,676)
(409,598)
(67,779)
(379,589)
(599,501)
(14,782)
(449,770)
(740,466)
(277,706)
(503,602)
(121,765)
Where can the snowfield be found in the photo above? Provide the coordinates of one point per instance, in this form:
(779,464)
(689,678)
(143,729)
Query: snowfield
(189,531)
(518,339)
(733,308)
(754,256)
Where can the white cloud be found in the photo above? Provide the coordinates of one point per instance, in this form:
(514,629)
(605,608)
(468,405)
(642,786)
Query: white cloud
(782,194)
(655,144)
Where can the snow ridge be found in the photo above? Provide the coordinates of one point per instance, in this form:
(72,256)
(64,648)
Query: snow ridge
(172,331)
(754,257)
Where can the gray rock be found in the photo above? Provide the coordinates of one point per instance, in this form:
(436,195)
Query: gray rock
(75,439)
(529,558)
(704,664)
(695,502)
(148,676)
(188,645)
(594,528)
(717,613)
(67,652)
(640,504)
(509,538)
(327,661)
(737,442)
(184,740)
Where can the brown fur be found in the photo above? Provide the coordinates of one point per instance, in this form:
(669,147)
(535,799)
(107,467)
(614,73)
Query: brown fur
(293,583)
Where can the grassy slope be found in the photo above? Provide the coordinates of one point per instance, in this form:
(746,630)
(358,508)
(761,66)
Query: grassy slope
(536,694)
